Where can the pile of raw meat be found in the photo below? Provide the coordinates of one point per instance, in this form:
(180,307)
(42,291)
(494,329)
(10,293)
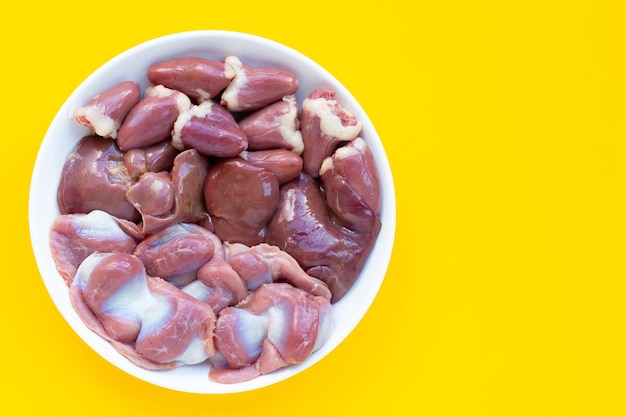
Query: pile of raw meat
(214,218)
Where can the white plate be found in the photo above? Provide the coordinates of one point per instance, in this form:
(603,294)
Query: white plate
(64,133)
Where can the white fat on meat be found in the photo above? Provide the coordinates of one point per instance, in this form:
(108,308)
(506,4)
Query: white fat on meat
(183,102)
(201,110)
(288,129)
(96,117)
(203,94)
(233,69)
(331,123)
(357,146)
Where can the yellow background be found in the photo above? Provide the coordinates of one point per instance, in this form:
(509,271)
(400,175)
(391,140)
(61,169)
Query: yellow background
(504,126)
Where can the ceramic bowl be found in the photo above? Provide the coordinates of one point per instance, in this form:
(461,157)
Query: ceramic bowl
(132,64)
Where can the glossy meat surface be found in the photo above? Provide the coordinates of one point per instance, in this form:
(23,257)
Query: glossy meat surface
(240,198)
(265,263)
(286,164)
(252,88)
(187,180)
(94,177)
(151,120)
(210,129)
(199,78)
(324,124)
(146,319)
(275,326)
(106,111)
(304,228)
(276,126)
(154,158)
(236,269)
(73,237)
(176,253)
(220,225)
(355,164)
